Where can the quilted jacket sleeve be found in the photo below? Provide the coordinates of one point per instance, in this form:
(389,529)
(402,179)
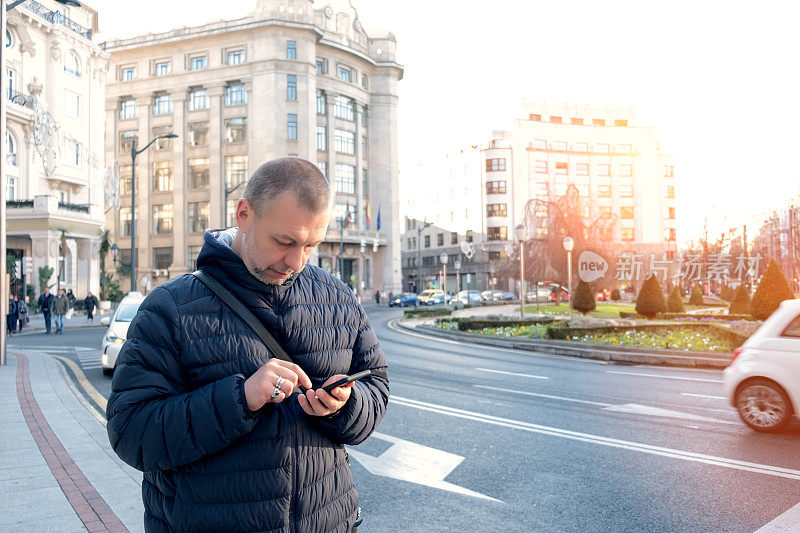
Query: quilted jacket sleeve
(365,409)
(154,422)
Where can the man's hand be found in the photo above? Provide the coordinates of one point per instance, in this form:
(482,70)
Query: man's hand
(259,387)
(320,403)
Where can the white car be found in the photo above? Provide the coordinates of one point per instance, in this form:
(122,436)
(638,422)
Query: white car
(763,379)
(118,330)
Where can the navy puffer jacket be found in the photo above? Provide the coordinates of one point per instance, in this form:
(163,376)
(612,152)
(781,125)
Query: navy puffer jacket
(177,409)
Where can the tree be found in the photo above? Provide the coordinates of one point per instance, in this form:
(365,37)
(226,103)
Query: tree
(584,300)
(697,296)
(44,276)
(615,295)
(675,301)
(741,301)
(772,290)
(651,300)
(727,293)
(111,288)
(104,248)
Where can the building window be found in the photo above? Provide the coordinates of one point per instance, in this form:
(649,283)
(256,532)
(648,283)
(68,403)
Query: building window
(235,94)
(125,221)
(162,176)
(340,211)
(535,117)
(598,122)
(428,260)
(235,129)
(495,187)
(496,164)
(162,104)
(72,64)
(128,109)
(344,142)
(621,123)
(555,119)
(497,234)
(558,146)
(72,152)
(231,212)
(11,150)
(291,50)
(626,212)
(198,173)
(197,213)
(496,210)
(235,170)
(11,188)
(454,238)
(623,149)
(198,99)
(345,108)
(321,104)
(604,170)
(323,167)
(320,67)
(364,82)
(540,144)
(162,219)
(163,143)
(198,62)
(197,133)
(542,190)
(322,138)
(627,234)
(344,74)
(625,171)
(671,213)
(670,234)
(128,74)
(580,147)
(669,171)
(364,116)
(562,168)
(235,57)
(364,183)
(626,191)
(541,167)
(345,178)
(291,87)
(602,148)
(162,258)
(583,190)
(440,239)
(72,104)
(9,39)
(427,242)
(669,192)
(125,179)
(576,121)
(191,256)
(581,169)
(540,211)
(162,68)
(604,191)
(291,126)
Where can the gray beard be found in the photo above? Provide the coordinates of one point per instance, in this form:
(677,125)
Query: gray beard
(249,252)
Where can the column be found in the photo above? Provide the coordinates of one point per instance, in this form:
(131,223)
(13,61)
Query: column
(216,168)
(144,180)
(179,185)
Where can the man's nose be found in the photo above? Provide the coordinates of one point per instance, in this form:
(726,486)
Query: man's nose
(295,259)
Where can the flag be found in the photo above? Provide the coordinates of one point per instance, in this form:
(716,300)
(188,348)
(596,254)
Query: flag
(366,213)
(379,219)
(347,215)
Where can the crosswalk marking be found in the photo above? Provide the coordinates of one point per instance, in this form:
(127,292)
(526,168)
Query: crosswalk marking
(89,358)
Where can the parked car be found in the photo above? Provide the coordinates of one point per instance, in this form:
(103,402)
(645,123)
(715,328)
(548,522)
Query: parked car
(543,294)
(489,295)
(118,330)
(763,379)
(466,297)
(504,296)
(406,299)
(428,296)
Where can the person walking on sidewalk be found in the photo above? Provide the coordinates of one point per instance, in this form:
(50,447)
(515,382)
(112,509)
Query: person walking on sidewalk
(22,312)
(89,303)
(12,316)
(225,436)
(60,308)
(45,305)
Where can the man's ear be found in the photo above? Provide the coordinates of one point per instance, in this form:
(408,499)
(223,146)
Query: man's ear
(245,215)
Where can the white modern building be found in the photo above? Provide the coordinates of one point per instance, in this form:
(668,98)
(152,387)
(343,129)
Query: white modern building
(54,148)
(294,78)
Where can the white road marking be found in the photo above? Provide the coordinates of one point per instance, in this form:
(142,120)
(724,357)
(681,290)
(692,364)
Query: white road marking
(602,441)
(409,461)
(703,396)
(664,377)
(784,523)
(512,373)
(540,395)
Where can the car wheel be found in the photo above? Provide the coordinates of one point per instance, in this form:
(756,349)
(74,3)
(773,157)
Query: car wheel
(763,405)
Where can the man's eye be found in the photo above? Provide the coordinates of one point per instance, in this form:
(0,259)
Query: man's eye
(284,243)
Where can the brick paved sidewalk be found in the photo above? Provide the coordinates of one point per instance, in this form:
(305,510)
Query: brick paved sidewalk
(57,470)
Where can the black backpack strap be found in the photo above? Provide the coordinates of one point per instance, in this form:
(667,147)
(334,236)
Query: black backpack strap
(244,313)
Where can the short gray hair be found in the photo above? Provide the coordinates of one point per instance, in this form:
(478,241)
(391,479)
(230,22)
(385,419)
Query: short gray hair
(300,176)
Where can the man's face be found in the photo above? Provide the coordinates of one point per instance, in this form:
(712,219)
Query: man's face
(278,242)
(47,290)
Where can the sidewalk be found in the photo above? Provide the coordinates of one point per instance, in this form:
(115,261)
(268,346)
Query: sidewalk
(57,469)
(77,321)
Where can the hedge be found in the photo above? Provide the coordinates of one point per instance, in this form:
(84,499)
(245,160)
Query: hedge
(467,323)
(560,331)
(421,313)
(726,318)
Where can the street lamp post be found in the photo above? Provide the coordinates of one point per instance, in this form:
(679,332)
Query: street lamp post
(443,259)
(134,153)
(419,251)
(519,232)
(457,264)
(568,245)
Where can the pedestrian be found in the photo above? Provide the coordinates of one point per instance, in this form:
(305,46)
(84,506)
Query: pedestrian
(45,305)
(225,436)
(12,316)
(377,297)
(60,308)
(22,310)
(89,303)
(70,298)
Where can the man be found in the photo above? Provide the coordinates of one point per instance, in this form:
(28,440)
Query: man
(224,438)
(12,316)
(45,305)
(89,303)
(22,311)
(60,308)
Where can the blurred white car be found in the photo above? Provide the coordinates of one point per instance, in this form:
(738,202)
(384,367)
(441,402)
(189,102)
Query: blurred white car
(763,379)
(118,330)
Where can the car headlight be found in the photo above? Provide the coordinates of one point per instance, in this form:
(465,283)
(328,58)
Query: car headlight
(116,340)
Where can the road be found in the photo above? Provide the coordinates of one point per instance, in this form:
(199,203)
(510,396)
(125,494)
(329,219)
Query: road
(488,439)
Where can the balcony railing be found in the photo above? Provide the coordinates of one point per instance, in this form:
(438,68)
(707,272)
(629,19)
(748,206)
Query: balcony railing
(19,203)
(25,100)
(77,208)
(56,17)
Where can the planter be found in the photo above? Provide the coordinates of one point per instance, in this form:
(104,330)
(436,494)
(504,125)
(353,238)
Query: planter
(104,305)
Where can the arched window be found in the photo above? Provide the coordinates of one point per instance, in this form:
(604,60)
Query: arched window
(9,39)
(71,63)
(11,150)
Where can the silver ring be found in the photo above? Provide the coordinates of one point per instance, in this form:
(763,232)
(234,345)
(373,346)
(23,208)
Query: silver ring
(275,393)
(279,382)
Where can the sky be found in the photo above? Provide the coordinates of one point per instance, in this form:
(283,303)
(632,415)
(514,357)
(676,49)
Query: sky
(718,80)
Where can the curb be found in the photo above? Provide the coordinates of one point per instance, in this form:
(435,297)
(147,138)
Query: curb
(581,350)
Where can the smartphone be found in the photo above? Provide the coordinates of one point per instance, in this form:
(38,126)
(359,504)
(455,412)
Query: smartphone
(345,380)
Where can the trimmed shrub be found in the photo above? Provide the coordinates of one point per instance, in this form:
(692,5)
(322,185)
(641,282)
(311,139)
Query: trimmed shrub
(741,301)
(422,313)
(615,296)
(675,301)
(704,317)
(697,296)
(584,300)
(772,290)
(651,300)
(727,293)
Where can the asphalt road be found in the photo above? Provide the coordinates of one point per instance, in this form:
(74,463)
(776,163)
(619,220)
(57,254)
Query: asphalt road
(489,439)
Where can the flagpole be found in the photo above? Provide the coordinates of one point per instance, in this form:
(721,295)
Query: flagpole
(341,250)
